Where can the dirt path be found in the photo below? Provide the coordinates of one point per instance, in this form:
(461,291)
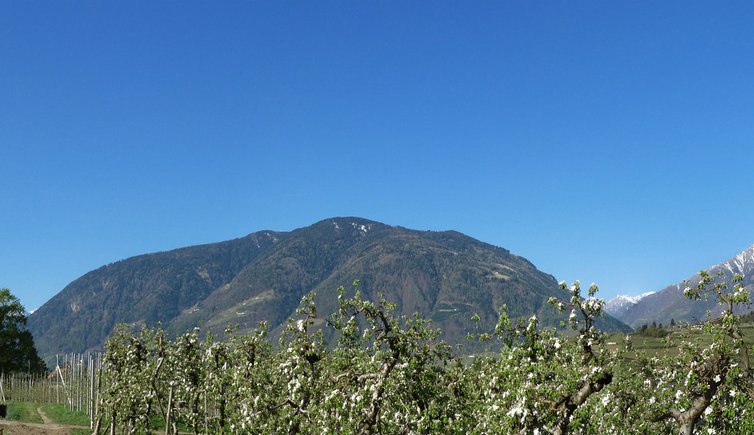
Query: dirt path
(49,427)
(20,428)
(44,416)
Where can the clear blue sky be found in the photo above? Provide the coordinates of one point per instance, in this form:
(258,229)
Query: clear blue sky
(604,141)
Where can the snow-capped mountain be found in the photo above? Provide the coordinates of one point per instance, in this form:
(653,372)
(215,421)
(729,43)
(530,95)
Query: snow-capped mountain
(741,264)
(621,303)
(670,303)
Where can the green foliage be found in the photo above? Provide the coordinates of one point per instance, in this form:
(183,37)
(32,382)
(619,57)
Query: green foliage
(652,330)
(388,373)
(17,351)
(23,411)
(61,414)
(703,385)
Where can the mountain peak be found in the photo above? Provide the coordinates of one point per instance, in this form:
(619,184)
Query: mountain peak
(631,299)
(346,223)
(740,264)
(444,276)
(621,303)
(670,303)
(347,220)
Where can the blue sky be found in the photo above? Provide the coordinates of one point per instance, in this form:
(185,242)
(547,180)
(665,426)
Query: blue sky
(604,141)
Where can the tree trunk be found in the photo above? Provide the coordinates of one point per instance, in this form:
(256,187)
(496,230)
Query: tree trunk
(572,403)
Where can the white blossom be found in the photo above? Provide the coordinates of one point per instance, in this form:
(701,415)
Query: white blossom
(516,410)
(605,399)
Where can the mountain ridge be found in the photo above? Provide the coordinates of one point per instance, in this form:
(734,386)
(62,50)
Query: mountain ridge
(669,304)
(444,275)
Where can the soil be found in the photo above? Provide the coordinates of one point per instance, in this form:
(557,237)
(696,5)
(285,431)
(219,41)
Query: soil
(8,427)
(44,416)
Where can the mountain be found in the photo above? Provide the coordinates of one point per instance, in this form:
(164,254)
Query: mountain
(670,303)
(618,305)
(445,276)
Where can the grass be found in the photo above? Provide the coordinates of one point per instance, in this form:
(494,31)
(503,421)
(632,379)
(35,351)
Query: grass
(60,413)
(23,411)
(27,412)
(669,346)
(156,423)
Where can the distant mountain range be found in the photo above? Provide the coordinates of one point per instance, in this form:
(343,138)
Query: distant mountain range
(670,304)
(445,276)
(618,305)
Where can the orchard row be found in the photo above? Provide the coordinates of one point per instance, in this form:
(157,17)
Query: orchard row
(383,373)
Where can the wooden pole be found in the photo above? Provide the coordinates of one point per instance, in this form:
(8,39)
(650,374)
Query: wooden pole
(170,405)
(91,392)
(206,430)
(57,384)
(60,373)
(80,370)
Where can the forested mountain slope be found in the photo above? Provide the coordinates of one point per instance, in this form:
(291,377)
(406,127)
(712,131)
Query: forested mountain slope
(445,276)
